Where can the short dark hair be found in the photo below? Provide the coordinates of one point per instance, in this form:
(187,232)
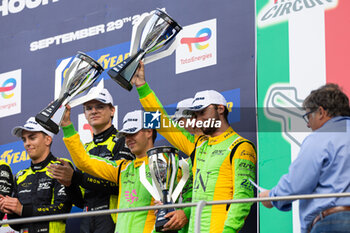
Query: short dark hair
(225,112)
(331,98)
(154,135)
(45,134)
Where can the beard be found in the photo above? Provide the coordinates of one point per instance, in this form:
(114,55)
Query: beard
(209,130)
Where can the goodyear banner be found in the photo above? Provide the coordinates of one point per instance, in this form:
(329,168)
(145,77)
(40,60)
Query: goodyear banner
(215,50)
(301,45)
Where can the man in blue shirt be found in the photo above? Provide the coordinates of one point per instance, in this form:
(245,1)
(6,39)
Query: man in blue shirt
(322,165)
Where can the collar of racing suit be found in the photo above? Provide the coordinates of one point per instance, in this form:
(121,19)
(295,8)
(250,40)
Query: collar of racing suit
(222,137)
(42,164)
(101,137)
(139,161)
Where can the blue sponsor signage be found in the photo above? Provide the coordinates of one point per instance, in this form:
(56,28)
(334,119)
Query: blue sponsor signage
(15,155)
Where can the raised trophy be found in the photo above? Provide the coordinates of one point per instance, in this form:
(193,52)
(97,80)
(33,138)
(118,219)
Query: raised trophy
(163,163)
(150,34)
(81,74)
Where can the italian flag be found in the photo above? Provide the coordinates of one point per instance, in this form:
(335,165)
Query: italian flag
(301,45)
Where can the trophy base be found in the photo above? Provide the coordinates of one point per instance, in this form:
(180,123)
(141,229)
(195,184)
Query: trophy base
(47,123)
(124,72)
(159,226)
(161,220)
(119,79)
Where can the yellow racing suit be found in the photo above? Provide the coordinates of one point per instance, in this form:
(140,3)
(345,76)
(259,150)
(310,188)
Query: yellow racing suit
(222,167)
(126,174)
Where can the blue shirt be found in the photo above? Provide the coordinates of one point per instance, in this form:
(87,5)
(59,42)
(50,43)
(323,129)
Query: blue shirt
(322,166)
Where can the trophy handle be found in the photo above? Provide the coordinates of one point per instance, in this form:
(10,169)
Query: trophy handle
(123,73)
(171,47)
(74,65)
(136,38)
(136,32)
(174,171)
(87,97)
(150,188)
(185,174)
(58,116)
(58,76)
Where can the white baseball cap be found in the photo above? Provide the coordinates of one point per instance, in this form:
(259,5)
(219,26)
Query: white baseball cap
(182,109)
(103,96)
(203,99)
(132,123)
(30,125)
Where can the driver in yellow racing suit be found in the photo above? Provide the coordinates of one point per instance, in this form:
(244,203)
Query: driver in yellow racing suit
(223,161)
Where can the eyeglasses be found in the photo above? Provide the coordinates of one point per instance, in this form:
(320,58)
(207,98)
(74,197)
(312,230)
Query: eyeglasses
(306,116)
(97,107)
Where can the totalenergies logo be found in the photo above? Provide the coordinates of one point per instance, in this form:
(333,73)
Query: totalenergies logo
(10,93)
(198,46)
(7,86)
(202,35)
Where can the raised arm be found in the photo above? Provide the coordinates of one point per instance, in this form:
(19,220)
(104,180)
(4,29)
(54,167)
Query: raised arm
(177,136)
(90,164)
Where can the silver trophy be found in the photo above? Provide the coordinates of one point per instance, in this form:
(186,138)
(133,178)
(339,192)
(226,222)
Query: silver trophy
(150,34)
(81,74)
(164,163)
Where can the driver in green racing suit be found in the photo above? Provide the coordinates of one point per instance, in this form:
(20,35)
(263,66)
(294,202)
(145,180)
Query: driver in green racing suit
(223,161)
(125,173)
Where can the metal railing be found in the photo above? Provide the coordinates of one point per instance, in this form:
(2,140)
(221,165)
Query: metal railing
(200,205)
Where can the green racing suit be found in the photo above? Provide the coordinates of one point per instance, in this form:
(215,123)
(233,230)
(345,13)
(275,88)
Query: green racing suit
(222,167)
(125,173)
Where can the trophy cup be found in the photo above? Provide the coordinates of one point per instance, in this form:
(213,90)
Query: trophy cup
(81,74)
(163,163)
(151,33)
